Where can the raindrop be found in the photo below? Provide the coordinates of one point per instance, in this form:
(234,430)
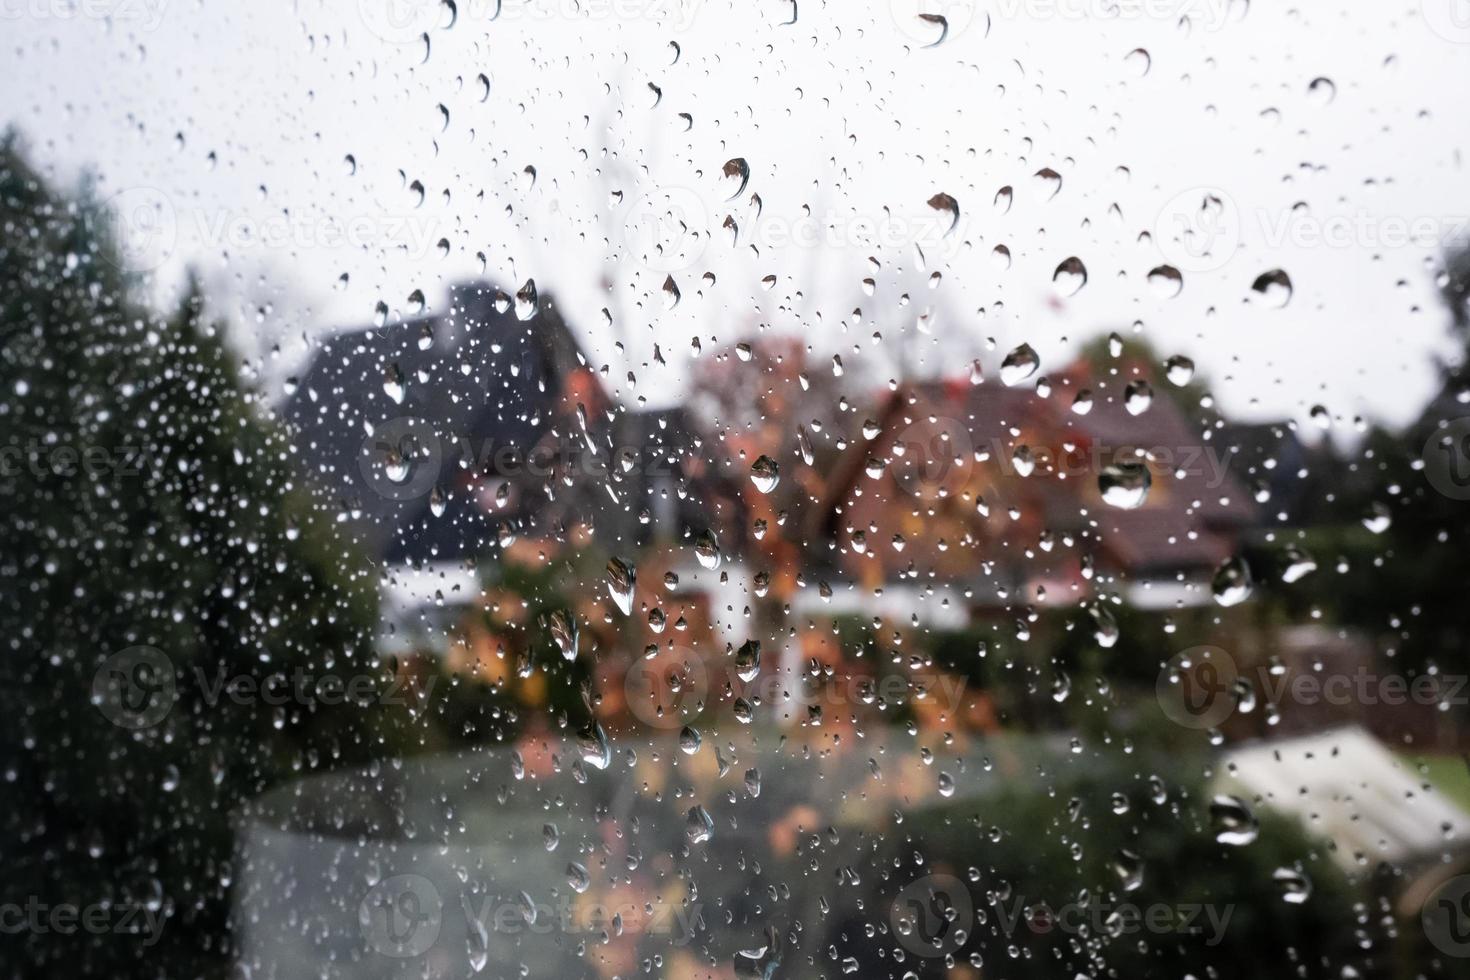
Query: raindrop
(1138,396)
(748,660)
(1233,821)
(1019,365)
(1125,485)
(940,22)
(1378,519)
(707,550)
(594,747)
(737,175)
(804,445)
(1321,91)
(1274,288)
(1128,866)
(621,579)
(563,626)
(578,878)
(765,474)
(690,740)
(393,383)
(1232,583)
(1048,183)
(946,205)
(1167,281)
(1298,565)
(699,826)
(526,300)
(1295,887)
(1070,277)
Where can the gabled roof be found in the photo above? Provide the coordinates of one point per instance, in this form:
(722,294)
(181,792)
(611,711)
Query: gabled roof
(1189,522)
(476,379)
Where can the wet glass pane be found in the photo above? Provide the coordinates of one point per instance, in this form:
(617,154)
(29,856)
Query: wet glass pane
(969,489)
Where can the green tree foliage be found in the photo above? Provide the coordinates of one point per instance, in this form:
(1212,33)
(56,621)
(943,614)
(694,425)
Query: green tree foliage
(149,505)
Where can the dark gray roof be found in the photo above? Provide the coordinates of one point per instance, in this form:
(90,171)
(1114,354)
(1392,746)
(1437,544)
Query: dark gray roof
(478,386)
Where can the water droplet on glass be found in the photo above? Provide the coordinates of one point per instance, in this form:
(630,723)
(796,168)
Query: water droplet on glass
(578,878)
(1232,583)
(699,826)
(1298,565)
(1166,281)
(393,383)
(621,579)
(707,550)
(736,176)
(1047,183)
(1233,821)
(690,740)
(748,660)
(1138,396)
(1128,867)
(563,627)
(1294,886)
(1274,288)
(1070,277)
(1020,364)
(1125,484)
(526,300)
(1378,519)
(947,205)
(765,474)
(593,746)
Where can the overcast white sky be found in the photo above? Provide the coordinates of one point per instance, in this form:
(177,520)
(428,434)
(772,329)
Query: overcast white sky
(843,115)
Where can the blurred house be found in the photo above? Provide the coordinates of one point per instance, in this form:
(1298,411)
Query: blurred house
(994,492)
(450,437)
